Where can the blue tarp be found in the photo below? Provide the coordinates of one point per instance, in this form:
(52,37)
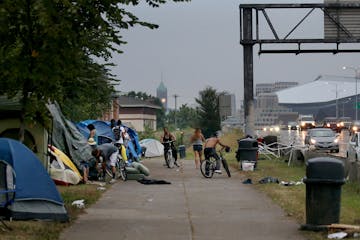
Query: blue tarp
(33,183)
(103,129)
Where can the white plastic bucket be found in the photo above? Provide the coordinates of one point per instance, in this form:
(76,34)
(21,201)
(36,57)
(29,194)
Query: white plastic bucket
(247,165)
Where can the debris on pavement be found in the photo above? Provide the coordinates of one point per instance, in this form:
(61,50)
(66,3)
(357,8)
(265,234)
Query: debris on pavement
(269,180)
(337,235)
(148,181)
(79,203)
(291,183)
(247,181)
(352,231)
(101,188)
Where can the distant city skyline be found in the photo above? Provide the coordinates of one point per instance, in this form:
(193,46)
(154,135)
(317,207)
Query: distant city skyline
(197,45)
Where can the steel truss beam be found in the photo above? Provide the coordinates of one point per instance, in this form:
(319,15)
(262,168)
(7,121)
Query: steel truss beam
(248,41)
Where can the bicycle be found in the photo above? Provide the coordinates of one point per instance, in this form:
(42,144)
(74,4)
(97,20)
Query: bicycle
(208,166)
(120,167)
(121,164)
(169,158)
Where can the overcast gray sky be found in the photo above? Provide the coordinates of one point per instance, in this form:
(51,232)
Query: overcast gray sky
(197,45)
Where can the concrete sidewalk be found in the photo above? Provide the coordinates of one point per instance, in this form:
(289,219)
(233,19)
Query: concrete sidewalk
(192,207)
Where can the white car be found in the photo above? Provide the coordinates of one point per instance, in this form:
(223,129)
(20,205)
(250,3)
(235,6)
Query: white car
(353,151)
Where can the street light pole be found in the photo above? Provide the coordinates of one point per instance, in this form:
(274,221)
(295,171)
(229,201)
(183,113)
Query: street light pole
(337,101)
(356,94)
(356,70)
(175,96)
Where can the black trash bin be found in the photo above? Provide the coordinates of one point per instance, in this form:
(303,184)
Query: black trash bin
(182,151)
(247,150)
(324,178)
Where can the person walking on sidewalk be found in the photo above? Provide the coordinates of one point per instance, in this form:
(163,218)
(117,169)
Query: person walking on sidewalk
(197,140)
(210,150)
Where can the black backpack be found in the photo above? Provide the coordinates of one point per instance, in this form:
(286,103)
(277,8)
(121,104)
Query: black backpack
(116,131)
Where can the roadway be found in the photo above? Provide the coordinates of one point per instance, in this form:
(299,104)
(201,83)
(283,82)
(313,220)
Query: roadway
(296,138)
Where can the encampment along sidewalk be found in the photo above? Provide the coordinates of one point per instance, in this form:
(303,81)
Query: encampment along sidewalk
(191,207)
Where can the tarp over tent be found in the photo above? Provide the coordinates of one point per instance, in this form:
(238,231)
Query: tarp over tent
(36,194)
(67,137)
(154,148)
(103,129)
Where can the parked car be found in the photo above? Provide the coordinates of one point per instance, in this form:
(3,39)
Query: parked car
(353,150)
(323,139)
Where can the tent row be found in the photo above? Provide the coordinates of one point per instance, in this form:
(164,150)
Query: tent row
(65,147)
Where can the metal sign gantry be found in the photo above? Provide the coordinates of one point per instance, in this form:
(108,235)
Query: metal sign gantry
(341,25)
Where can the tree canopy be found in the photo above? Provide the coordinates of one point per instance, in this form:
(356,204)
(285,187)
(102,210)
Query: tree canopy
(48,47)
(208,111)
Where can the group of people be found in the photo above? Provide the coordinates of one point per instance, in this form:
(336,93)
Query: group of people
(107,153)
(198,142)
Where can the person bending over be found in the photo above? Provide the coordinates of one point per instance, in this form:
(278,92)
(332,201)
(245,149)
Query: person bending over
(109,154)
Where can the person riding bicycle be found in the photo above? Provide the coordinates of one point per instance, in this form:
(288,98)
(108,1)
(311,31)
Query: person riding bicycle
(109,154)
(166,137)
(210,150)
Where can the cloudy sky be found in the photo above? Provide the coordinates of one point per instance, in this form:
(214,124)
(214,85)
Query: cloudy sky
(197,45)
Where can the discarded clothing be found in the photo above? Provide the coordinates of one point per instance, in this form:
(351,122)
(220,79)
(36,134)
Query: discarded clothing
(148,181)
(247,181)
(291,183)
(269,180)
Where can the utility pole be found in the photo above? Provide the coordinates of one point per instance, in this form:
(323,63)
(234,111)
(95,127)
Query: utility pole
(175,97)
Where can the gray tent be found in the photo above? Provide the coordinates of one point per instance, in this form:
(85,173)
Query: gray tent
(67,137)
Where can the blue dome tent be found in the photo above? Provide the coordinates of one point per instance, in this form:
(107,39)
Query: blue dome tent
(36,195)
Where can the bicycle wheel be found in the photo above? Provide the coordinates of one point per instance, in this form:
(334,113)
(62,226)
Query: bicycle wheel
(122,170)
(170,159)
(207,168)
(226,167)
(108,174)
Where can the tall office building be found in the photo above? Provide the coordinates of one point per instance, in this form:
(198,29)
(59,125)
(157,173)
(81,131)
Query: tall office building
(161,93)
(273,87)
(226,106)
(264,88)
(284,85)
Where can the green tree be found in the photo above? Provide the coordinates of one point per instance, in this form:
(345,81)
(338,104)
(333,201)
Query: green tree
(185,117)
(208,111)
(47,49)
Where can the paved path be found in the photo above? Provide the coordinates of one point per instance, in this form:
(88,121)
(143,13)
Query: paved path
(192,207)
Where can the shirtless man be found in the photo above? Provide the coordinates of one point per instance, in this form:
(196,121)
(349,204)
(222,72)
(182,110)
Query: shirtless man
(210,150)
